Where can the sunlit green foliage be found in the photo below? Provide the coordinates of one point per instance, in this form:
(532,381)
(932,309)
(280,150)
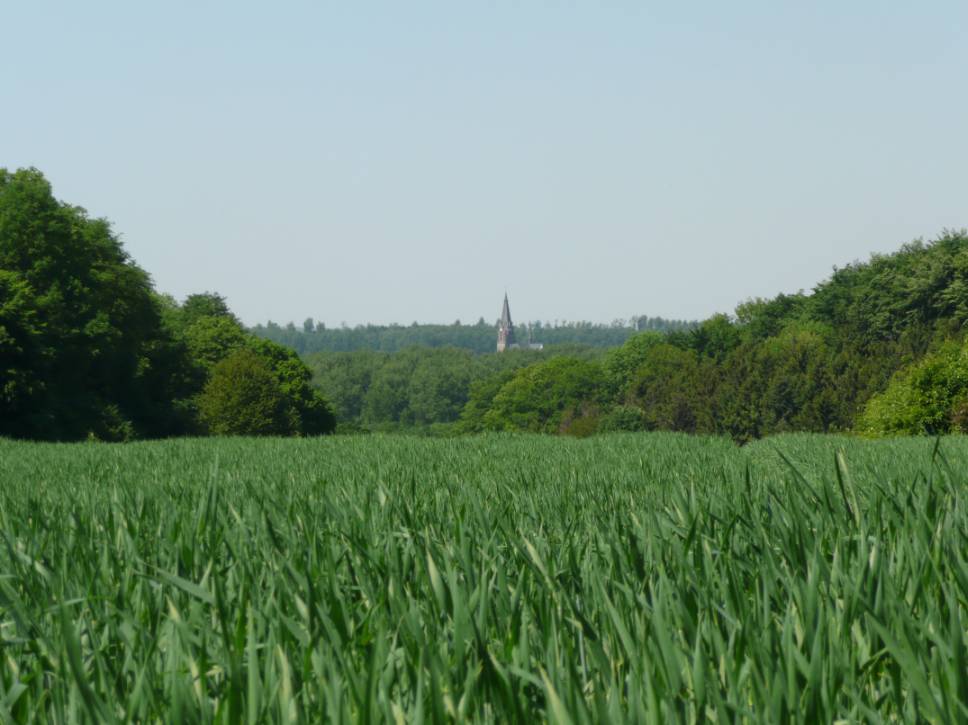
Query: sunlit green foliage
(626,578)
(547,397)
(620,364)
(929,397)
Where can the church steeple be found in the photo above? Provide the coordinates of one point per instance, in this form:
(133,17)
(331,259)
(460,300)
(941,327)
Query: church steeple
(505,328)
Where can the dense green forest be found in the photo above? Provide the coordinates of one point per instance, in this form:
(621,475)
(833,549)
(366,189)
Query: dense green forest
(314,336)
(878,347)
(88,349)
(418,388)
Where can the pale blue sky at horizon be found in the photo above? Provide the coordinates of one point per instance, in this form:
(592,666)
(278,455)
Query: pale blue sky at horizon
(391,162)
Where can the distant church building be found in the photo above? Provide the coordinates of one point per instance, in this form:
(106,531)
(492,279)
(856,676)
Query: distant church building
(505,332)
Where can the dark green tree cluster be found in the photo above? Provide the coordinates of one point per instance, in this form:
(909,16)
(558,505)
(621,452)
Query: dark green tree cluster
(237,374)
(313,337)
(878,348)
(804,362)
(416,389)
(88,349)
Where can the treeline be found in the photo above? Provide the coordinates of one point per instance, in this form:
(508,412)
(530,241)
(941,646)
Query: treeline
(88,349)
(419,388)
(878,347)
(480,337)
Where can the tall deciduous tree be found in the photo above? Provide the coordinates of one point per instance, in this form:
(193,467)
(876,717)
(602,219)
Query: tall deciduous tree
(80,329)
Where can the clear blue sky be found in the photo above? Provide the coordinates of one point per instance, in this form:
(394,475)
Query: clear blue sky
(406,161)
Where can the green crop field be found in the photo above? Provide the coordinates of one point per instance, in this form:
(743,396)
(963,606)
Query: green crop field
(642,578)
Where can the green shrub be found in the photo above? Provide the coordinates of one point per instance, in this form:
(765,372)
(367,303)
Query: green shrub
(622,418)
(927,398)
(538,397)
(243,397)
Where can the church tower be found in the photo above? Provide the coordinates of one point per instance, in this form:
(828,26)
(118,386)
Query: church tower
(505,328)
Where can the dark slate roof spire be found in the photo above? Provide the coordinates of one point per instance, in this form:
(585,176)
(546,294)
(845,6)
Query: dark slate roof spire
(505,328)
(506,314)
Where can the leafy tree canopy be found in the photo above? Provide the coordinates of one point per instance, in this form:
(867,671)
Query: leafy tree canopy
(88,349)
(206,305)
(80,328)
(929,397)
(244,397)
(540,397)
(672,390)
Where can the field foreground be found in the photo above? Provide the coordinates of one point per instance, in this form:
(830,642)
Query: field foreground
(642,578)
